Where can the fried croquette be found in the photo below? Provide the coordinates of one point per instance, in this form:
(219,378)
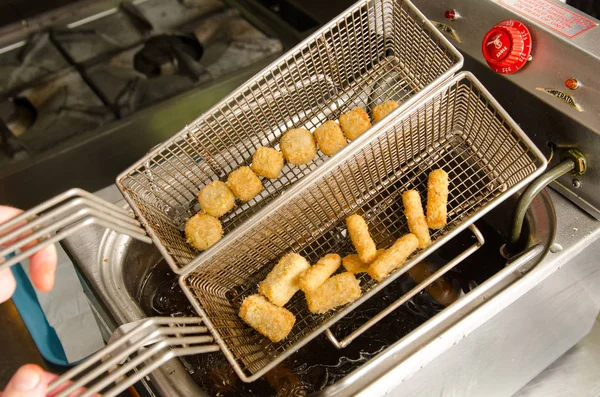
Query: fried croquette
(413,209)
(202,231)
(361,239)
(298,146)
(321,271)
(282,282)
(354,265)
(336,291)
(216,199)
(244,183)
(270,320)
(437,199)
(354,123)
(382,110)
(393,257)
(330,138)
(267,162)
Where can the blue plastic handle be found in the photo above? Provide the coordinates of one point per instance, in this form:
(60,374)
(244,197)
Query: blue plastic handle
(42,333)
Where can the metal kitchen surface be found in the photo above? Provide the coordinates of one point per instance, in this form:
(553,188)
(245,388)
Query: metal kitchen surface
(66,82)
(75,78)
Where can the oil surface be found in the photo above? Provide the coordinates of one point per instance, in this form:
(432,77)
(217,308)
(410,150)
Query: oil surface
(319,364)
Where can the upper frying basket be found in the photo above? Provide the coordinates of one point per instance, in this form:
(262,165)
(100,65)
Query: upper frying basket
(458,127)
(375,51)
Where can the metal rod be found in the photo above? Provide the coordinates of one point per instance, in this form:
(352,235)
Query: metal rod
(529,194)
(409,295)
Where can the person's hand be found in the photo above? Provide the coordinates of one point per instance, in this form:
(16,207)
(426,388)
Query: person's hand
(29,381)
(42,264)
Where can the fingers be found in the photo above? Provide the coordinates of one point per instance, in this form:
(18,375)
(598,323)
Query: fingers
(42,264)
(7,284)
(29,381)
(42,267)
(7,213)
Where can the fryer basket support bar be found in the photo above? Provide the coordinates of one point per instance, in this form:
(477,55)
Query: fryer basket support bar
(340,344)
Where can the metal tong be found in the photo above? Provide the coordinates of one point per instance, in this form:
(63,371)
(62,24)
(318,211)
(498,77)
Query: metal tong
(59,217)
(134,350)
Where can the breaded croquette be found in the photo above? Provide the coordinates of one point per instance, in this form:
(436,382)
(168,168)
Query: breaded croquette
(244,183)
(330,138)
(336,291)
(298,146)
(321,271)
(393,257)
(203,230)
(354,123)
(382,110)
(267,162)
(361,239)
(437,199)
(216,199)
(270,320)
(282,282)
(413,209)
(354,265)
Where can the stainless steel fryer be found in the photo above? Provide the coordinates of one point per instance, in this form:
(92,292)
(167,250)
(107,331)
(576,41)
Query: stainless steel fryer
(459,127)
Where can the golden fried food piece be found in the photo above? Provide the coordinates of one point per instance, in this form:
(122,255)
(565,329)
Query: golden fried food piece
(282,282)
(393,257)
(330,138)
(336,291)
(202,231)
(270,320)
(354,265)
(380,111)
(317,274)
(267,162)
(413,209)
(216,199)
(354,123)
(244,183)
(361,239)
(298,146)
(437,199)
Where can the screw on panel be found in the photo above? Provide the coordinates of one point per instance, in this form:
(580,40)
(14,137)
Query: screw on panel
(576,183)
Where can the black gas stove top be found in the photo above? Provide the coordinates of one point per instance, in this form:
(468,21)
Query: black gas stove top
(71,79)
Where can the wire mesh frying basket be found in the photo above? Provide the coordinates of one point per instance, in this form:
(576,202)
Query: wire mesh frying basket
(459,128)
(375,51)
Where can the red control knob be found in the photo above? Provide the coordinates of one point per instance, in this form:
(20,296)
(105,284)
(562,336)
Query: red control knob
(507,46)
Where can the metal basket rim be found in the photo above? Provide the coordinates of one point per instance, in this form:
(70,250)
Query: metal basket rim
(287,55)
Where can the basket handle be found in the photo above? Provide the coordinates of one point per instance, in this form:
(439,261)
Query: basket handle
(59,217)
(135,350)
(410,294)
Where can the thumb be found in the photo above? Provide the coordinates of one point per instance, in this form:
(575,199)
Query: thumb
(28,381)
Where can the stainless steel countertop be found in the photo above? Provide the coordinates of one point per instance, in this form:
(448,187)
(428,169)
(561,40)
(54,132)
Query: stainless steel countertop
(575,374)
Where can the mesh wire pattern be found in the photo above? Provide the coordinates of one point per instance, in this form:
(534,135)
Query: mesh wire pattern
(375,51)
(458,128)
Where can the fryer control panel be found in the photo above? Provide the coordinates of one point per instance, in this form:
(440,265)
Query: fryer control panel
(540,60)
